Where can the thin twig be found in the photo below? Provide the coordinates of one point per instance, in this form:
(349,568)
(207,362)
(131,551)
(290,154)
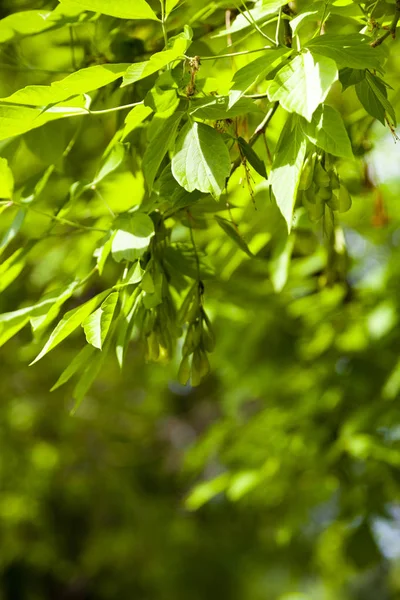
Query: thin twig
(392,28)
(260,130)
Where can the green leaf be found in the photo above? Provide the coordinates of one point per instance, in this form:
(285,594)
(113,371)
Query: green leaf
(303,84)
(97,325)
(257,14)
(170,5)
(111,163)
(255,161)
(201,160)
(370,102)
(78,83)
(280,261)
(88,376)
(15,119)
(123,9)
(350,50)
(349,77)
(255,72)
(6,180)
(70,321)
(79,362)
(312,13)
(49,306)
(28,22)
(132,238)
(183,259)
(13,230)
(176,50)
(135,118)
(286,168)
(163,136)
(163,102)
(327,131)
(214,108)
(378,87)
(234,234)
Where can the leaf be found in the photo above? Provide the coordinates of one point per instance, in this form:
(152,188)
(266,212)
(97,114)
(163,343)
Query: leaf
(79,362)
(280,261)
(15,119)
(350,50)
(183,259)
(111,163)
(97,325)
(201,160)
(122,9)
(233,233)
(13,229)
(255,161)
(70,321)
(327,131)
(255,72)
(286,168)
(213,109)
(378,88)
(170,5)
(303,84)
(88,376)
(78,83)
(29,22)
(257,14)
(49,306)
(176,50)
(133,235)
(313,13)
(6,180)
(135,118)
(163,135)
(369,101)
(349,77)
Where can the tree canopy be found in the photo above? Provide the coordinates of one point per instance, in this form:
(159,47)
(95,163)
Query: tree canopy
(199,257)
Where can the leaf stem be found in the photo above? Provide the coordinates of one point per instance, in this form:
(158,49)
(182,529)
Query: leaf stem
(56,218)
(230,54)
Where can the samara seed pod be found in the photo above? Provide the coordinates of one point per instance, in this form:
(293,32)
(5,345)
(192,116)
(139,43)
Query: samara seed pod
(184,370)
(344,199)
(307,174)
(324,194)
(335,182)
(321,177)
(333,202)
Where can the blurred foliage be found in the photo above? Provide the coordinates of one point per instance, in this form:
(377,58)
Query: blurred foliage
(278,476)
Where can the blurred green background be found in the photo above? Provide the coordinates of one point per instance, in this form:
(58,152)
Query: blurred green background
(278,478)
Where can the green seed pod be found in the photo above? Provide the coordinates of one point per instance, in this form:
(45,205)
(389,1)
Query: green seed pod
(196,369)
(147,283)
(184,371)
(208,339)
(321,177)
(344,199)
(189,346)
(335,182)
(309,195)
(185,306)
(333,202)
(153,346)
(197,333)
(307,174)
(324,194)
(200,367)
